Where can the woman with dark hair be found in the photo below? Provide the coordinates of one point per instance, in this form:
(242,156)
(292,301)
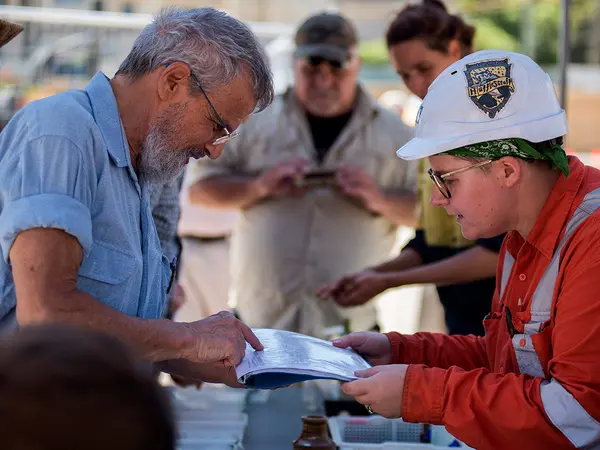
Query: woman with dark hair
(424,39)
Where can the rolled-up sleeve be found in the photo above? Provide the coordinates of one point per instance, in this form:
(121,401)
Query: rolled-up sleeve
(45,183)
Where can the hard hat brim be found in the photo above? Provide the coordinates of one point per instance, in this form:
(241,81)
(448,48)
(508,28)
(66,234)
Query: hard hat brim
(547,128)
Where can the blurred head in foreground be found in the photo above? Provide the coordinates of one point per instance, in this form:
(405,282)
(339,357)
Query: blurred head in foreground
(71,389)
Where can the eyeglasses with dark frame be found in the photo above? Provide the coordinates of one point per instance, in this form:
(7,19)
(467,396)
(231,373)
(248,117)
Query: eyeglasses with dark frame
(228,135)
(439,178)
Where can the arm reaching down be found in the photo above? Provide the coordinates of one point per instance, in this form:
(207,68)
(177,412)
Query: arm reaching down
(45,263)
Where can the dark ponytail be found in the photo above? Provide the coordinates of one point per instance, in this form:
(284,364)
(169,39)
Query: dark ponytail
(431,22)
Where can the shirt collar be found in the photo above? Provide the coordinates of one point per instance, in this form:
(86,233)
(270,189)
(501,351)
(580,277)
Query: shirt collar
(553,217)
(106,115)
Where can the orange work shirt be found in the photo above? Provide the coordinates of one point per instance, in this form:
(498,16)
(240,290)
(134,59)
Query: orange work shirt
(474,386)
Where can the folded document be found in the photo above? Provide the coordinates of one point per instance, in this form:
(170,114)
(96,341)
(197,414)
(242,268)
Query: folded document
(292,357)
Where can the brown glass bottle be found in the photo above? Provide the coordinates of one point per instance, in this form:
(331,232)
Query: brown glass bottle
(314,434)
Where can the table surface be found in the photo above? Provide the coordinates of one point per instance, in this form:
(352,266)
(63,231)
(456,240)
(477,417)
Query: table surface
(276,424)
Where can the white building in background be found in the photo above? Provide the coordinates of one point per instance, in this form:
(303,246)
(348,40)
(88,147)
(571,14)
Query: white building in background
(257,10)
(369,15)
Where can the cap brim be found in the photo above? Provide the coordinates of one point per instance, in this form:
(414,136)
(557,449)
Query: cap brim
(8,31)
(325,51)
(418,148)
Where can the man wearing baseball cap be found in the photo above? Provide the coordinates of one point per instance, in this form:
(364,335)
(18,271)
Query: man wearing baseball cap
(8,31)
(293,238)
(327,36)
(492,128)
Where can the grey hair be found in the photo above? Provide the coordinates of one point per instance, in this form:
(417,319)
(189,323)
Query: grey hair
(217,48)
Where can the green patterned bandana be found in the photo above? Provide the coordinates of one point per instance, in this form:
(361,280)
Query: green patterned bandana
(518,148)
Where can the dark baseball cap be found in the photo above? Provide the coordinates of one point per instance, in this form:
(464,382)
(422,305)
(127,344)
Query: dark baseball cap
(8,30)
(326,35)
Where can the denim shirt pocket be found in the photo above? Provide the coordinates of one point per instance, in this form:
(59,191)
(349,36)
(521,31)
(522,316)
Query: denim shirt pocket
(105,273)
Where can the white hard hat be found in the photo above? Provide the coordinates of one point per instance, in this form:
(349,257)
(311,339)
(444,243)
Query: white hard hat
(488,95)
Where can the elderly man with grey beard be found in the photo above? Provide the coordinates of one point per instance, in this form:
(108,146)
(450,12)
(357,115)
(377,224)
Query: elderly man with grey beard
(78,241)
(319,190)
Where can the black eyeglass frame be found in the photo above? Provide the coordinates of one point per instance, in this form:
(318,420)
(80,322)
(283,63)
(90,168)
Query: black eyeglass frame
(439,178)
(228,135)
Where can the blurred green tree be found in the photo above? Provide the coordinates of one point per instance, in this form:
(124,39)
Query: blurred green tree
(506,24)
(500,20)
(374,52)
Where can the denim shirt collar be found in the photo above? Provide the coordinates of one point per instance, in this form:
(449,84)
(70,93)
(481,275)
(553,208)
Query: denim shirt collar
(106,114)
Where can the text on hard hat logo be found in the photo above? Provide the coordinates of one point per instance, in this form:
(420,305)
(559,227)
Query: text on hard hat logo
(418,119)
(489,85)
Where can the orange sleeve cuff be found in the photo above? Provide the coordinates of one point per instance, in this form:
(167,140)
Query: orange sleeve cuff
(396,339)
(423,393)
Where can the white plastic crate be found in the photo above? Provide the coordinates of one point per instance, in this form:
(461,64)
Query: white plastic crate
(378,433)
(209,444)
(187,415)
(258,396)
(232,430)
(209,397)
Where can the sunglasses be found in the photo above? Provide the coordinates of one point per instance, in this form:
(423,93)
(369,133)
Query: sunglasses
(439,178)
(316,61)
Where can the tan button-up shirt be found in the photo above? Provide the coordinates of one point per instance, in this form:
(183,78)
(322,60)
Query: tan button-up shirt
(283,249)
(198,221)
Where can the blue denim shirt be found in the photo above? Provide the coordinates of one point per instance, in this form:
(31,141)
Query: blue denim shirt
(65,164)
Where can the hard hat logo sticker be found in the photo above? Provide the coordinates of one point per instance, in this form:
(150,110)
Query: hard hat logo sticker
(489,85)
(418,119)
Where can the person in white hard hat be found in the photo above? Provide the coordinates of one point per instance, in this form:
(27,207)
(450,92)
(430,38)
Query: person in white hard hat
(492,128)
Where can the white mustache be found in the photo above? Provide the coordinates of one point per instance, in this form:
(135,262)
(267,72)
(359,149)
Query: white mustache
(196,153)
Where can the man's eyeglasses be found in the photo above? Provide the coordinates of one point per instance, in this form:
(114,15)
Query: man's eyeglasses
(224,129)
(439,178)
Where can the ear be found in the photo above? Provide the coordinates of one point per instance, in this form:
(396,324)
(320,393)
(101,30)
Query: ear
(359,59)
(174,81)
(510,170)
(296,65)
(454,49)
(356,61)
(359,63)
